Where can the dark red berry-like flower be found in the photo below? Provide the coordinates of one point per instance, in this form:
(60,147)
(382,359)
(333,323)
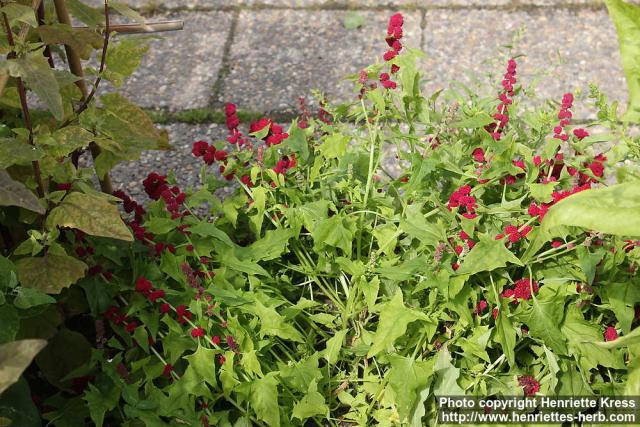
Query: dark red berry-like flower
(610,334)
(462,199)
(131,326)
(143,286)
(166,371)
(529,385)
(394,34)
(580,133)
(478,155)
(197,332)
(154,185)
(521,290)
(183,314)
(199,148)
(501,118)
(156,295)
(480,307)
(165,308)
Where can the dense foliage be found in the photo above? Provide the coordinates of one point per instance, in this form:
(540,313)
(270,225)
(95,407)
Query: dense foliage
(326,289)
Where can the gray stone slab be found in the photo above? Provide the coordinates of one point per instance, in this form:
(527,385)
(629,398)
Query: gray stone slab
(460,42)
(149,6)
(128,176)
(280,55)
(181,67)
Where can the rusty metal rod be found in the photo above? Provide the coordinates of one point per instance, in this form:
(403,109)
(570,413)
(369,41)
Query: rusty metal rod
(146,28)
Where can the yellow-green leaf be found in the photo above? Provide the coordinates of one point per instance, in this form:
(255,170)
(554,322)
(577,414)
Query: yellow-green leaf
(15,357)
(81,40)
(626,18)
(50,273)
(394,319)
(92,214)
(14,193)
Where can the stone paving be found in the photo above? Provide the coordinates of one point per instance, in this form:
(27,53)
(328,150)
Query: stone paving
(264,54)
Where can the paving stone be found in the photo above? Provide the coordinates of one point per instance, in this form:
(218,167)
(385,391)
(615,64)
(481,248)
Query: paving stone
(460,43)
(180,68)
(280,55)
(129,175)
(149,6)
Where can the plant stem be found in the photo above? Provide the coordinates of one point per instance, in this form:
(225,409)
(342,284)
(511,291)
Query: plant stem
(367,189)
(22,92)
(75,66)
(41,21)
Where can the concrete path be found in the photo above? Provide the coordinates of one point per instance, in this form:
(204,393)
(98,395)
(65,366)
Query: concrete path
(264,54)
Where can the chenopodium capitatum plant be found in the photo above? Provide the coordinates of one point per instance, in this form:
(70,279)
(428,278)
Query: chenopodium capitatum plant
(327,290)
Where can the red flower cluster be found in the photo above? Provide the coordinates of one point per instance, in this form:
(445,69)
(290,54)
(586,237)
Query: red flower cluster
(464,236)
(502,116)
(275,135)
(596,167)
(565,117)
(580,133)
(208,152)
(386,81)
(145,287)
(514,233)
(521,290)
(284,164)
(480,307)
(541,210)
(630,244)
(130,205)
(478,155)
(559,195)
(197,332)
(462,199)
(529,384)
(183,313)
(610,334)
(173,199)
(154,184)
(394,35)
(232,121)
(166,371)
(114,314)
(160,247)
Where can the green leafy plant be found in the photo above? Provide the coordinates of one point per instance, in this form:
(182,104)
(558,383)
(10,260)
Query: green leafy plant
(43,190)
(626,18)
(500,260)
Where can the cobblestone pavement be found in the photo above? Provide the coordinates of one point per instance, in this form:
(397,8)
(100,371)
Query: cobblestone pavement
(264,54)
